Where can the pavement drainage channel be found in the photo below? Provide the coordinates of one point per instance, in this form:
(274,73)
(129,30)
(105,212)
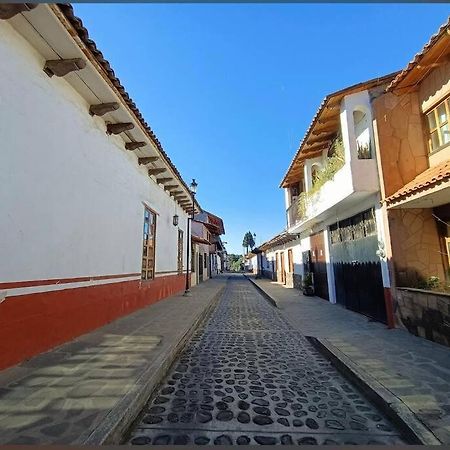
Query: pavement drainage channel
(247,377)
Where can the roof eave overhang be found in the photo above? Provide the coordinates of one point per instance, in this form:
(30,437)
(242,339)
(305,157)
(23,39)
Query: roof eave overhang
(435,53)
(96,82)
(331,102)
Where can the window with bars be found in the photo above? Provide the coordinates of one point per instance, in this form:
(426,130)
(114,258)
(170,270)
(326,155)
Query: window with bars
(148,248)
(438,126)
(356,227)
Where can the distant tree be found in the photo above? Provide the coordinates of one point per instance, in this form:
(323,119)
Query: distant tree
(235,262)
(248,241)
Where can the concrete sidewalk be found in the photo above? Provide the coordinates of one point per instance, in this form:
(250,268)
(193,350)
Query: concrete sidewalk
(414,370)
(89,390)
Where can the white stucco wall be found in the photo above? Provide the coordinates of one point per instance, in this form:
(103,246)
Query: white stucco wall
(71,202)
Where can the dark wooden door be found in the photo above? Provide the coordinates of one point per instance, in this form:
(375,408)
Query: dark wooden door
(200,267)
(282,269)
(319,265)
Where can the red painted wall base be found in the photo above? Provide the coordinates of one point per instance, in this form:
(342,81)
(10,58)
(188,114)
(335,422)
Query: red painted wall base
(33,323)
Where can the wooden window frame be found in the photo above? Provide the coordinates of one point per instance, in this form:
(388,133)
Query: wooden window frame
(148,270)
(180,251)
(290,260)
(438,127)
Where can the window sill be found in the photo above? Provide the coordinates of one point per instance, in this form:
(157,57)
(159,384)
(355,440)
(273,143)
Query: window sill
(437,150)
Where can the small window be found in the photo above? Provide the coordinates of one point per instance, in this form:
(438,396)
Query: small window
(438,126)
(148,248)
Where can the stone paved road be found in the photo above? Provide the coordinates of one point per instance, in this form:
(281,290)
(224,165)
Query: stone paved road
(247,377)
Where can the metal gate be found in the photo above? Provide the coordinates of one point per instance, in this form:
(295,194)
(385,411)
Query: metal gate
(357,268)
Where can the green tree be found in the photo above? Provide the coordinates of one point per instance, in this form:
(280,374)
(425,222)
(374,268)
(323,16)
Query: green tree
(235,262)
(248,241)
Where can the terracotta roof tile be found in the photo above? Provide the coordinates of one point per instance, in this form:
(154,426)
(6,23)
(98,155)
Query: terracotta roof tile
(426,180)
(418,56)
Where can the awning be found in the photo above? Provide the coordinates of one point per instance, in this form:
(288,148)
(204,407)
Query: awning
(428,189)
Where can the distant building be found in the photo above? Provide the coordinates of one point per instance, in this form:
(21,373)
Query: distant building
(217,253)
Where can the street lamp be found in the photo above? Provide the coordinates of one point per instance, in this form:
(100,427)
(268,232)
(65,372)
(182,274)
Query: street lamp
(193,191)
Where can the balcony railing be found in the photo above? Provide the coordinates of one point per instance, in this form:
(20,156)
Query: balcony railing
(297,211)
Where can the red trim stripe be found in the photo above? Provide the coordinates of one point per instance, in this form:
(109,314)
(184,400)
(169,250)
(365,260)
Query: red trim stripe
(22,284)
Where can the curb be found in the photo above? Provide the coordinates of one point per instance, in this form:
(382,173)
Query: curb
(270,299)
(412,428)
(112,428)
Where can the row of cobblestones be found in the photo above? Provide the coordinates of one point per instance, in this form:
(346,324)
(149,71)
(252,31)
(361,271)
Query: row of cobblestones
(247,377)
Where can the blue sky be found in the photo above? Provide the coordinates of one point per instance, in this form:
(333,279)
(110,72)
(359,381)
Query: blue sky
(230,89)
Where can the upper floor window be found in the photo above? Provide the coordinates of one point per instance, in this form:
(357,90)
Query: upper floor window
(148,249)
(362,133)
(438,126)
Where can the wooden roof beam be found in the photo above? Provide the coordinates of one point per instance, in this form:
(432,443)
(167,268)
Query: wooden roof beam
(323,122)
(147,160)
(170,187)
(135,145)
(9,10)
(156,171)
(61,67)
(103,108)
(117,128)
(164,180)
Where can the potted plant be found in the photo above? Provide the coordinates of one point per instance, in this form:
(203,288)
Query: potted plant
(307,284)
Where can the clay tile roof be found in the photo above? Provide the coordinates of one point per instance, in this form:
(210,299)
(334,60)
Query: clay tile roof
(279,239)
(328,112)
(418,57)
(426,180)
(76,22)
(200,240)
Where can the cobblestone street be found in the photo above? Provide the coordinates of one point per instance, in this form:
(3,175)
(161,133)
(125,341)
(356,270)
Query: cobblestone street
(247,377)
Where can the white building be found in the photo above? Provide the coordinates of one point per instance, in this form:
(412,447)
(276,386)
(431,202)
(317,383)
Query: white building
(201,247)
(332,198)
(89,200)
(217,253)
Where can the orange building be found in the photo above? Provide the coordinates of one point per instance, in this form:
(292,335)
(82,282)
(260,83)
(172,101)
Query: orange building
(412,131)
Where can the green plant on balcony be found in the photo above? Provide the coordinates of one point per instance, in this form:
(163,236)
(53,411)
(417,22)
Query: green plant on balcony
(334,162)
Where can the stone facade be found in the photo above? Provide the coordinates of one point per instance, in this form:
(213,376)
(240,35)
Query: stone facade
(289,279)
(415,246)
(424,313)
(297,279)
(402,150)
